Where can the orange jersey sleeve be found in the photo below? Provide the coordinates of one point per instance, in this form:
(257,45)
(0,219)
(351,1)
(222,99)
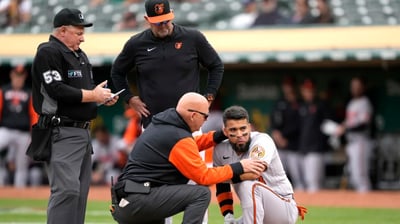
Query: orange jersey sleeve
(186,158)
(205,141)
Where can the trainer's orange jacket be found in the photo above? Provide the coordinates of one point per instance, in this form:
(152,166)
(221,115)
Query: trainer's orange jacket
(167,153)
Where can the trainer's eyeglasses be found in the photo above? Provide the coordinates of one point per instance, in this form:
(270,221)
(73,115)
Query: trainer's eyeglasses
(161,23)
(202,113)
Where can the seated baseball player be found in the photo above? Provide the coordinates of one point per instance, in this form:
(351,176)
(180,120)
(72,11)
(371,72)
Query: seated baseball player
(264,199)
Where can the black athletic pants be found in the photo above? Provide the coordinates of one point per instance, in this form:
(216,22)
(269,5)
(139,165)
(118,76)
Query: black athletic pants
(163,202)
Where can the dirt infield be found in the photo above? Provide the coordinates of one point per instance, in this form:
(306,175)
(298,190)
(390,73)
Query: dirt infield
(333,198)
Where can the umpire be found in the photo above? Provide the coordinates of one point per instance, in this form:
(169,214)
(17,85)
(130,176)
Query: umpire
(153,184)
(65,97)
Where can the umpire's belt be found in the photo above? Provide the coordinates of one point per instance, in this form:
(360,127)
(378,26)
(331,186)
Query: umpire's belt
(54,121)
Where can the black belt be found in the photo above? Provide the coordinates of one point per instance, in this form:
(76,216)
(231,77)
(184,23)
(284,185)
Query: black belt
(54,121)
(75,124)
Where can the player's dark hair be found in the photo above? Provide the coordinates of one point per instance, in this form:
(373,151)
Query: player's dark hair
(361,79)
(235,113)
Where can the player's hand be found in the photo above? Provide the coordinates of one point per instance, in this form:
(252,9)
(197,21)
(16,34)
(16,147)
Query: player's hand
(249,176)
(229,219)
(340,130)
(280,141)
(137,104)
(253,166)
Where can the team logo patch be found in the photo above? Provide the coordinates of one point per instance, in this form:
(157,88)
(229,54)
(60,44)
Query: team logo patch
(257,152)
(74,74)
(159,9)
(178,45)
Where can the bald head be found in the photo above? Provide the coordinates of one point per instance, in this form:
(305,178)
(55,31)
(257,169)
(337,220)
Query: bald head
(193,108)
(191,100)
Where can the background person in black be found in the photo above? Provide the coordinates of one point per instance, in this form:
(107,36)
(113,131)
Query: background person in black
(16,117)
(312,142)
(285,130)
(167,58)
(63,87)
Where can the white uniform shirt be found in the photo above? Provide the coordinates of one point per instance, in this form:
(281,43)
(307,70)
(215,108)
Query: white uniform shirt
(261,147)
(106,155)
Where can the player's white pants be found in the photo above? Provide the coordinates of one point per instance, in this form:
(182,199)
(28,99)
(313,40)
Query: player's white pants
(313,169)
(17,142)
(261,205)
(3,171)
(358,151)
(292,164)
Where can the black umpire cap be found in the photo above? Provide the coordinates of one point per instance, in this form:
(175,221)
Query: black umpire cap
(68,16)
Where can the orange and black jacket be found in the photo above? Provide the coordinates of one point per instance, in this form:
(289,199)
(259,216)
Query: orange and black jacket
(167,153)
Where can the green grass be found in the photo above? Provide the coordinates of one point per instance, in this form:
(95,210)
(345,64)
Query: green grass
(34,211)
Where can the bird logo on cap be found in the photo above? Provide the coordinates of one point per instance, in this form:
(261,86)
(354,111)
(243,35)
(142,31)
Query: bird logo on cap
(159,8)
(178,45)
(81,16)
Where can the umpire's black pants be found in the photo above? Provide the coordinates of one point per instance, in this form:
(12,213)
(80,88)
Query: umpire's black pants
(163,202)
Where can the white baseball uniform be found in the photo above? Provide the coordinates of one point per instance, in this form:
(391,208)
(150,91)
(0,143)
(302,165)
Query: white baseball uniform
(17,142)
(107,156)
(359,145)
(270,199)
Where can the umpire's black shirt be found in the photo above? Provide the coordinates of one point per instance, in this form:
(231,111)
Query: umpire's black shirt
(58,75)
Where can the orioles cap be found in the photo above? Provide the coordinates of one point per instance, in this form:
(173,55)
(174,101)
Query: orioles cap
(68,16)
(158,11)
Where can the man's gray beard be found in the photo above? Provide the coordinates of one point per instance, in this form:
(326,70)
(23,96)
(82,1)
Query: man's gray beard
(241,149)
